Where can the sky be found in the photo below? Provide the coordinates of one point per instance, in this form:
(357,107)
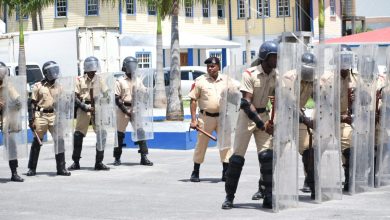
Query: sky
(373,8)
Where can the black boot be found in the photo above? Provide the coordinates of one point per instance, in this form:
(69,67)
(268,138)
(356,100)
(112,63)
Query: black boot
(99,161)
(34,155)
(143,150)
(308,162)
(305,188)
(195,173)
(118,150)
(224,168)
(61,169)
(259,194)
(13,164)
(233,174)
(347,154)
(266,158)
(77,147)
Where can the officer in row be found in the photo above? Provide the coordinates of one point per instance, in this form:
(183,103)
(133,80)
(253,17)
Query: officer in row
(7,90)
(42,118)
(206,92)
(125,90)
(257,84)
(85,102)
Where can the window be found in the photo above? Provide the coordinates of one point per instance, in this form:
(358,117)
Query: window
(196,74)
(152,9)
(61,8)
(206,8)
(185,75)
(220,9)
(130,7)
(92,7)
(216,54)
(253,54)
(260,8)
(241,8)
(144,59)
(332,6)
(283,8)
(188,7)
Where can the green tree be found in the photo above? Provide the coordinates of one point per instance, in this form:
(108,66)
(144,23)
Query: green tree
(321,21)
(35,8)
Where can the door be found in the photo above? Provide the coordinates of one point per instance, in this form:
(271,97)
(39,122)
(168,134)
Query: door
(183,59)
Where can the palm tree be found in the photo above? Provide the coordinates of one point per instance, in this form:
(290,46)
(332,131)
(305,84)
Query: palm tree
(35,8)
(321,21)
(19,7)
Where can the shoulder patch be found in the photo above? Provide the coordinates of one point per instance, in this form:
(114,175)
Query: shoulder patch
(193,86)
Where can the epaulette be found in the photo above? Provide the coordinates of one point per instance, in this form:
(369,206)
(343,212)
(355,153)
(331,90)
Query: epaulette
(192,86)
(250,70)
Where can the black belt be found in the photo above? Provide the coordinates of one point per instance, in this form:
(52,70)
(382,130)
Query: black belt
(209,114)
(261,110)
(128,104)
(87,102)
(50,110)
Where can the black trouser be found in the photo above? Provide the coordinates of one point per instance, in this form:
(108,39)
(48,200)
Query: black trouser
(77,146)
(266,160)
(308,163)
(233,174)
(34,154)
(13,165)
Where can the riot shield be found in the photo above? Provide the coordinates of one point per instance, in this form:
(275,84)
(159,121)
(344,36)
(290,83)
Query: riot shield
(363,110)
(229,105)
(14,117)
(382,174)
(142,120)
(64,109)
(105,114)
(286,107)
(326,144)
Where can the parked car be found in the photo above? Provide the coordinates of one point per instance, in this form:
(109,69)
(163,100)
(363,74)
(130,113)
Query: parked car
(188,75)
(34,73)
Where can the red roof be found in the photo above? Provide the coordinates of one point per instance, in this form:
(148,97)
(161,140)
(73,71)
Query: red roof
(380,36)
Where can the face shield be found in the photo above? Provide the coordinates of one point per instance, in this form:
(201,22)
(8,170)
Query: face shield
(307,72)
(52,72)
(367,67)
(91,65)
(346,60)
(3,72)
(130,67)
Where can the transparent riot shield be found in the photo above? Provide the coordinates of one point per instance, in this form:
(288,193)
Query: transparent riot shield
(363,110)
(14,117)
(286,107)
(229,106)
(142,120)
(326,144)
(382,174)
(105,114)
(64,109)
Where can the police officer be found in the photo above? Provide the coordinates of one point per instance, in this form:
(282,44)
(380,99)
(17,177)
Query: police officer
(13,164)
(347,82)
(84,100)
(206,91)
(42,116)
(257,84)
(124,94)
(305,123)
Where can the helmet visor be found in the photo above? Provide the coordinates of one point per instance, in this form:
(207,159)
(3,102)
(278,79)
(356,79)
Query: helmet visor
(130,67)
(52,72)
(91,66)
(346,60)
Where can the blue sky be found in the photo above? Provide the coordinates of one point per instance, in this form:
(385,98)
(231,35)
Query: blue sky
(373,8)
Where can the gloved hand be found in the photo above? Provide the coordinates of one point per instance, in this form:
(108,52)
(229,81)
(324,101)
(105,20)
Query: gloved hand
(269,127)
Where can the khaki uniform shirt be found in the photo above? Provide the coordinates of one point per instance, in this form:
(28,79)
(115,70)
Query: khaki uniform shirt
(306,93)
(207,92)
(345,84)
(259,84)
(83,87)
(43,93)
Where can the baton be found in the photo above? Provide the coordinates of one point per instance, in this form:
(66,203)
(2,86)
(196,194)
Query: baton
(37,137)
(205,133)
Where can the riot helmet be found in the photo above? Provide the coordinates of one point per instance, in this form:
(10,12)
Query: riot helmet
(3,71)
(130,65)
(367,66)
(307,66)
(51,70)
(91,64)
(267,48)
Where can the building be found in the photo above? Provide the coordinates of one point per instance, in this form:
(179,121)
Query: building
(205,29)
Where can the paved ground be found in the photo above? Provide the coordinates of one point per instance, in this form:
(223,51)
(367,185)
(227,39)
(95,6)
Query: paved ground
(159,192)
